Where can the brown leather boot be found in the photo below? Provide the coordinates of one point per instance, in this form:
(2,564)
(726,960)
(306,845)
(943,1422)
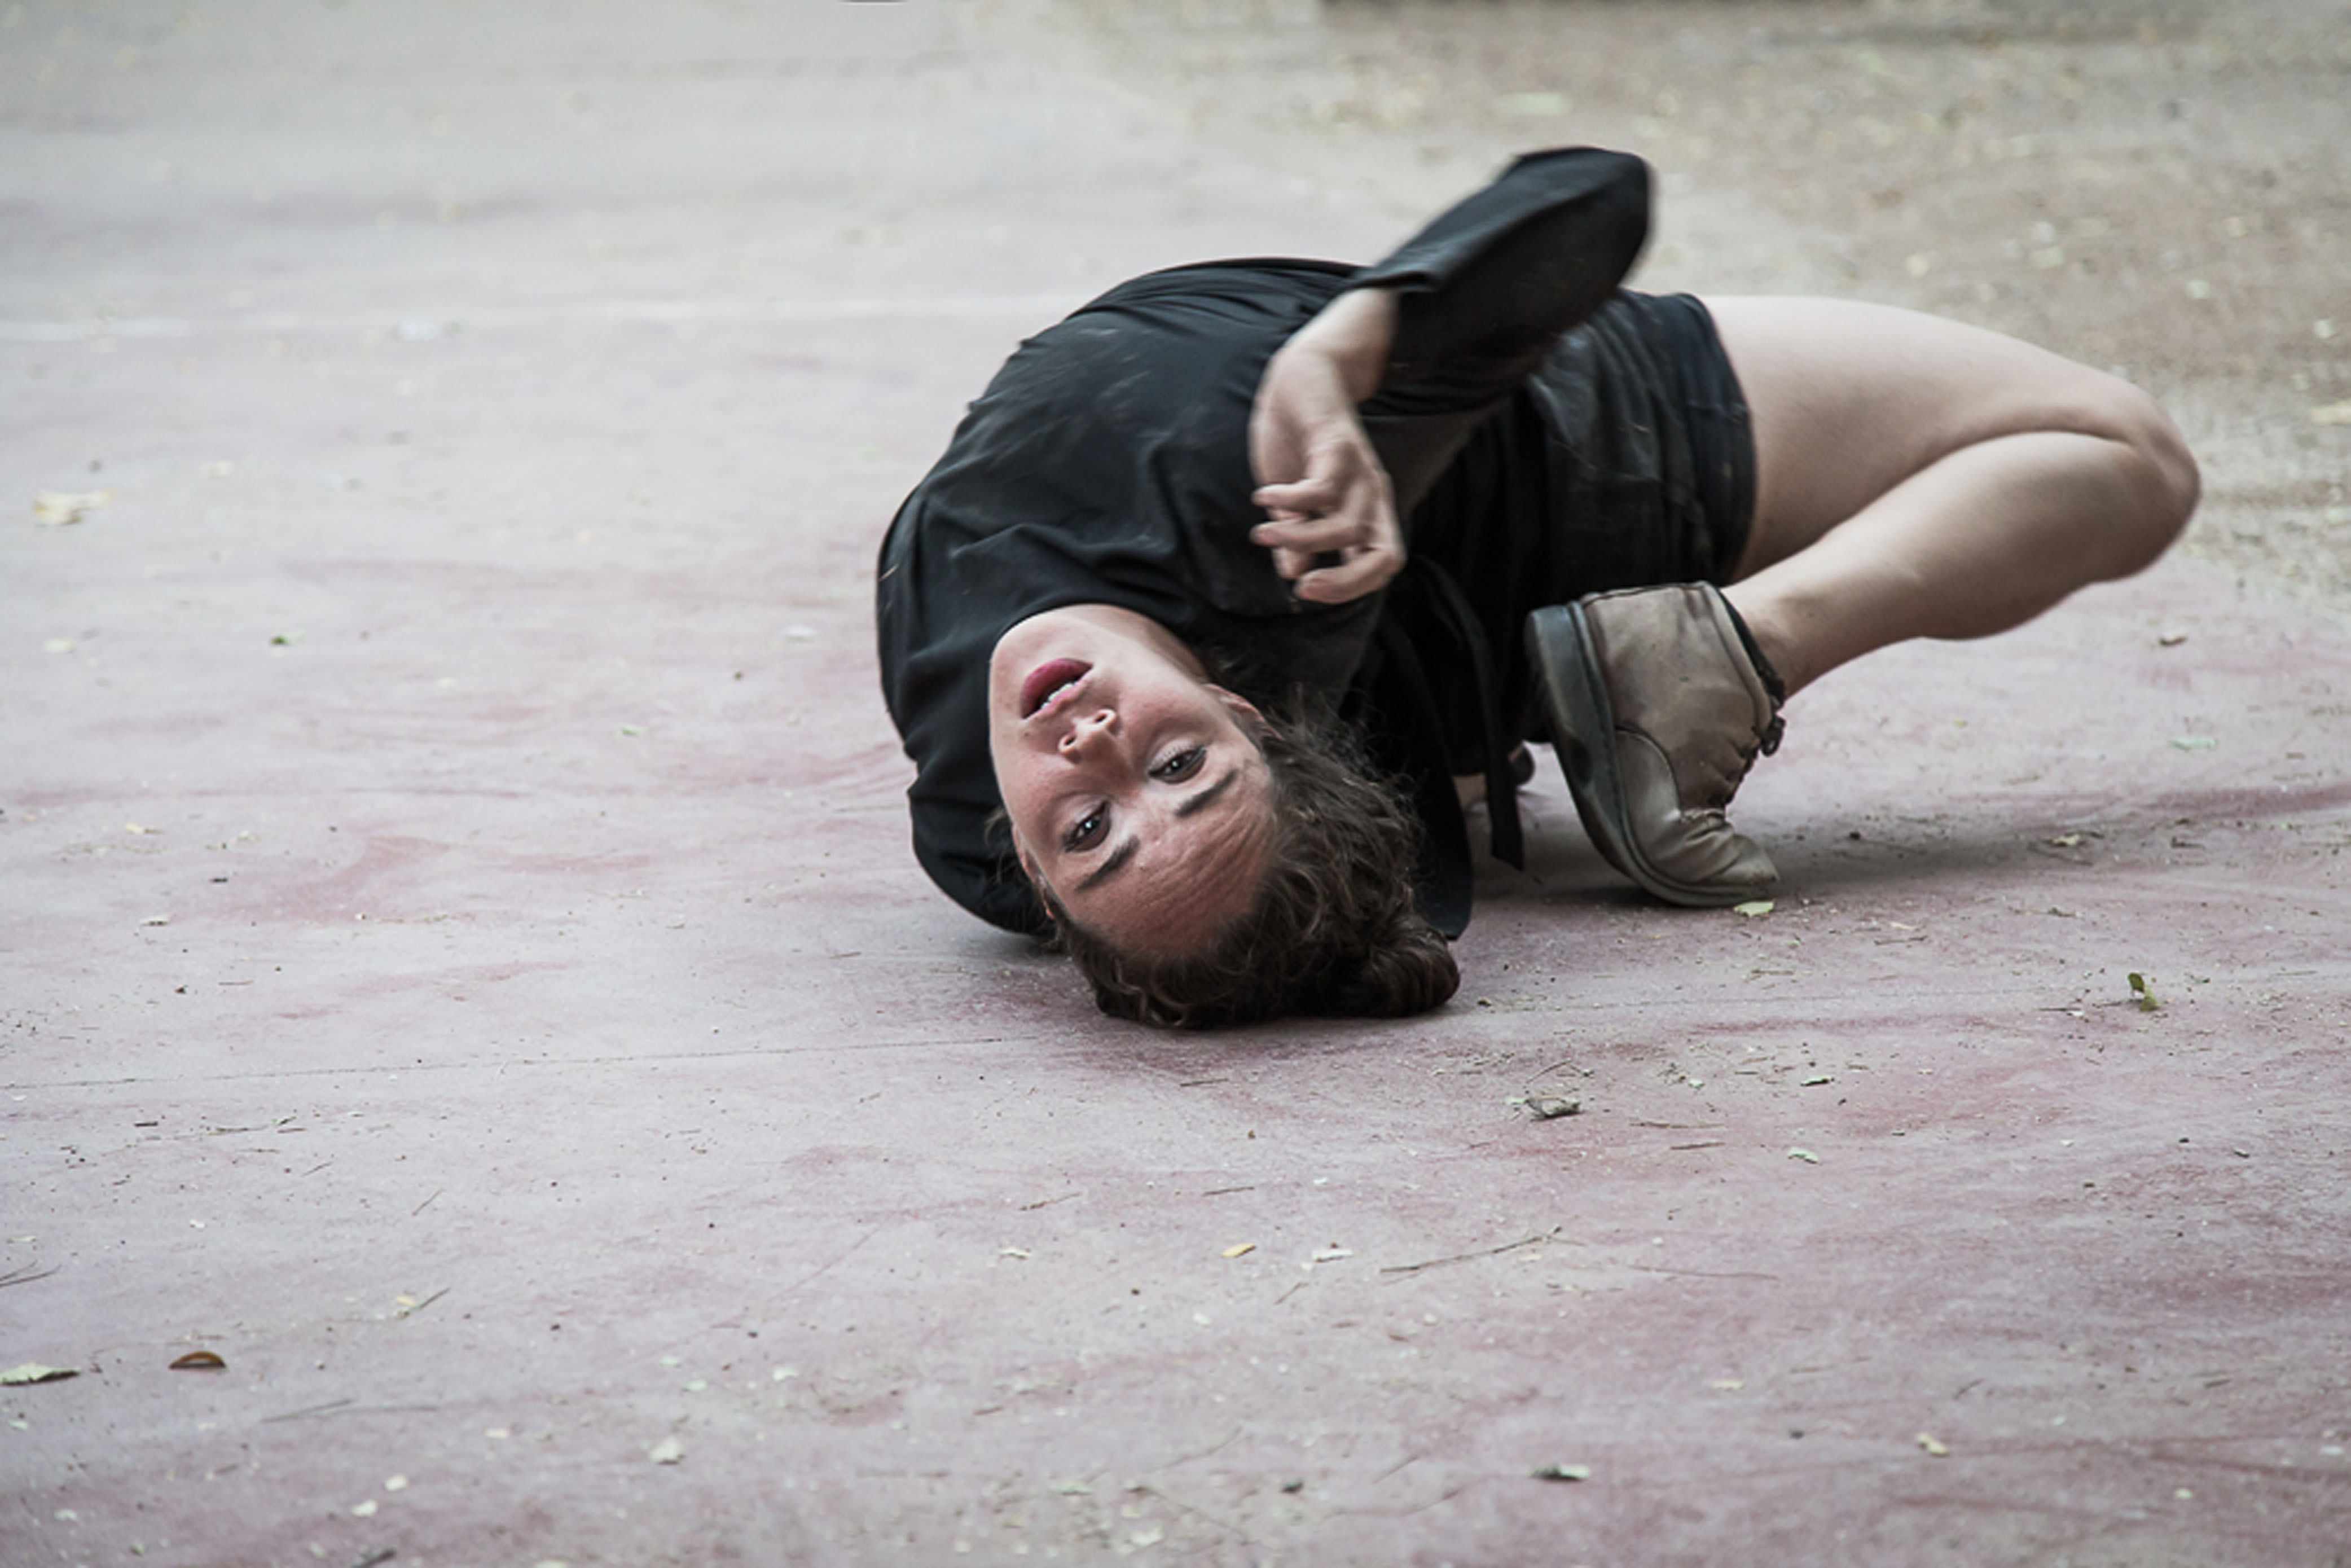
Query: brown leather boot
(1657,713)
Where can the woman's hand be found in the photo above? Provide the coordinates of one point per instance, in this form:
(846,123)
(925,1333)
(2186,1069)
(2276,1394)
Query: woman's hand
(1318,478)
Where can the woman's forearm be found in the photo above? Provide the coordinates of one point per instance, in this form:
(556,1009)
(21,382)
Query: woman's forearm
(1354,333)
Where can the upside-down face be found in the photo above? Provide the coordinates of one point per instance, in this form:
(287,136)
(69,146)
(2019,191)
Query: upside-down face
(1137,792)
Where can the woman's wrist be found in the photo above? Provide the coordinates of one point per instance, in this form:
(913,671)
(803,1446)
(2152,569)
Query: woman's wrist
(1353,334)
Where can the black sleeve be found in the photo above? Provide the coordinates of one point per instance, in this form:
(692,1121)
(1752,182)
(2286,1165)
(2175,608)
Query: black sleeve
(1492,281)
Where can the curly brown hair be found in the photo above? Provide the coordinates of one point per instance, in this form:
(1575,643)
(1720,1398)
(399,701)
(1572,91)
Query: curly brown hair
(1332,929)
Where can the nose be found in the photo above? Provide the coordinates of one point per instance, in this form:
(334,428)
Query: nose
(1087,728)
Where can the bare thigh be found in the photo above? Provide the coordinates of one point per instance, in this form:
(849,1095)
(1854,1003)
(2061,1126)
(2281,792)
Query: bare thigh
(1849,400)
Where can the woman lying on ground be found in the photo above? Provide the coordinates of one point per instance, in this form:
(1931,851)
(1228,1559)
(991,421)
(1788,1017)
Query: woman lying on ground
(1226,578)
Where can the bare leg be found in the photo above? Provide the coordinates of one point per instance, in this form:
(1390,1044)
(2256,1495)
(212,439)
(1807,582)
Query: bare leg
(1917,477)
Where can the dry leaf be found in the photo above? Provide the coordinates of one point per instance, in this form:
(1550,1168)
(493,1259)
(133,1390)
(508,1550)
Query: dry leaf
(1562,1473)
(55,508)
(200,1361)
(1934,1449)
(668,1452)
(1751,910)
(1807,1156)
(33,1372)
(1239,1247)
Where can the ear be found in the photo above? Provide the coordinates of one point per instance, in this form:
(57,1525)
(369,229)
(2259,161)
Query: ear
(1243,710)
(1036,878)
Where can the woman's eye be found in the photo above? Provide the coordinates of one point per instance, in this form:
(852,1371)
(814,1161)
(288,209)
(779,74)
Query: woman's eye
(1181,765)
(1087,830)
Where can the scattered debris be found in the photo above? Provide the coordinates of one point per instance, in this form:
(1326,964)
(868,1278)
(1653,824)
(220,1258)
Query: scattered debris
(2064,841)
(1240,1248)
(1728,1385)
(2143,990)
(2324,413)
(382,1555)
(364,1509)
(33,1372)
(1544,1107)
(200,1361)
(1934,1449)
(2194,742)
(1816,1080)
(668,1452)
(1562,1473)
(1294,1484)
(2170,639)
(1012,1252)
(1754,908)
(1331,1254)
(396,1483)
(55,508)
(1807,1156)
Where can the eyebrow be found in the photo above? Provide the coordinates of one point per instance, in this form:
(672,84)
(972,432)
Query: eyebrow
(1198,801)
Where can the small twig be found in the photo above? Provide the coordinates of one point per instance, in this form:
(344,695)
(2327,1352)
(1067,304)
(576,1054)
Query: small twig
(1201,1082)
(1221,1191)
(1711,1144)
(1049,1202)
(1468,1257)
(28,1274)
(425,1205)
(1199,1453)
(384,1555)
(345,1407)
(1290,1292)
(1697,1273)
(328,1408)
(426,1302)
(1202,1513)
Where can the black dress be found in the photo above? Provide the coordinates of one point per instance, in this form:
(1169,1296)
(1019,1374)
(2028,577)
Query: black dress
(1549,435)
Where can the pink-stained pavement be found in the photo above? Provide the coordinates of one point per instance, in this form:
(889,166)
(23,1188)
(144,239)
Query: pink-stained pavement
(460,960)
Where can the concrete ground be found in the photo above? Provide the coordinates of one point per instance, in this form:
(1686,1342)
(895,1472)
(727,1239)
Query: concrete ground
(461,966)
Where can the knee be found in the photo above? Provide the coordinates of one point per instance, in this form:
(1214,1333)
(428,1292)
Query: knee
(2163,475)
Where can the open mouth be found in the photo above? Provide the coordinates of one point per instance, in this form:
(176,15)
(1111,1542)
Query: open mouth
(1048,680)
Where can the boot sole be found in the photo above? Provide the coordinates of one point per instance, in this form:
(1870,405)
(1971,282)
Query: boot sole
(1584,733)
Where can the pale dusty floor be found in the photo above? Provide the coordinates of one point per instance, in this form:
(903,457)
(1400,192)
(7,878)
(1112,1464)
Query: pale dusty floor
(460,963)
